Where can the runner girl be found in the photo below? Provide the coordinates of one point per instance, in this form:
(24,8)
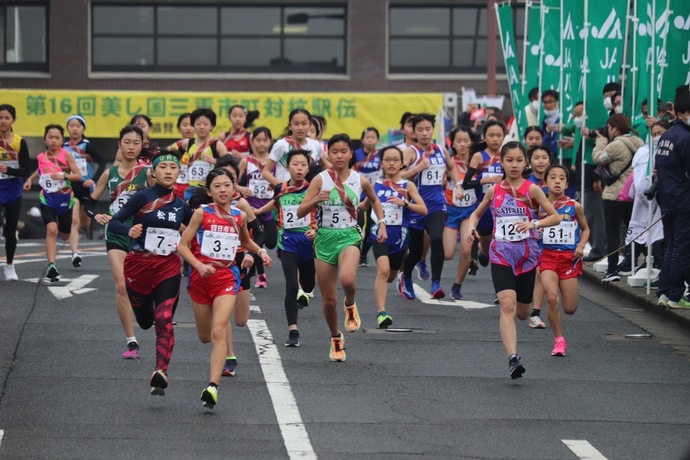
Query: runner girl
(56,170)
(258,191)
(427,164)
(14,166)
(539,160)
(486,165)
(367,164)
(336,193)
(295,239)
(153,218)
(294,137)
(398,198)
(459,210)
(122,181)
(561,260)
(144,123)
(86,155)
(533,136)
(209,244)
(238,140)
(514,251)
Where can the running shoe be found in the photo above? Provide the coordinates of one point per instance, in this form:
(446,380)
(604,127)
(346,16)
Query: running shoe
(158,382)
(76,260)
(405,287)
(625,268)
(515,367)
(535,322)
(293,339)
(132,351)
(474,266)
(261,281)
(681,304)
(10,274)
(384,320)
(209,396)
(611,277)
(337,352)
(559,347)
(436,290)
(310,294)
(352,319)
(455,291)
(363,262)
(230,367)
(52,273)
(663,301)
(422,273)
(302,299)
(483,259)
(496,301)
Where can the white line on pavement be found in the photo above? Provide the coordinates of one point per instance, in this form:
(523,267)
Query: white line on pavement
(2,433)
(583,449)
(289,419)
(425,297)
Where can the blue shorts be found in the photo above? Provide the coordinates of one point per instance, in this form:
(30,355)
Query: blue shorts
(486,222)
(456,215)
(398,238)
(296,243)
(59,202)
(10,190)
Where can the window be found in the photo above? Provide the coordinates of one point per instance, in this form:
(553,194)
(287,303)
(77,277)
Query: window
(444,39)
(24,37)
(213,38)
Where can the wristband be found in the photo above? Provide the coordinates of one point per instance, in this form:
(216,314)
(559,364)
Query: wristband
(258,253)
(405,202)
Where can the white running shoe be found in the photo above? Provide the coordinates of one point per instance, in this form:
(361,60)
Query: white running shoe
(535,322)
(10,274)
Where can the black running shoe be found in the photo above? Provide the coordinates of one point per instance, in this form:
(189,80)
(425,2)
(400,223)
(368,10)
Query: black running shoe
(293,339)
(483,259)
(52,273)
(158,382)
(76,260)
(515,367)
(474,266)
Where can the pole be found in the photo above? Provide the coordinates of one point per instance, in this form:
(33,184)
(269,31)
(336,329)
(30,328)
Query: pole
(542,9)
(625,65)
(651,108)
(560,83)
(585,71)
(525,46)
(491,48)
(634,69)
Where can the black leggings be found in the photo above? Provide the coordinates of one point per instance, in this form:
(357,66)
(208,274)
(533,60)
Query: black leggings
(9,230)
(615,212)
(270,241)
(307,272)
(395,261)
(158,307)
(365,223)
(434,227)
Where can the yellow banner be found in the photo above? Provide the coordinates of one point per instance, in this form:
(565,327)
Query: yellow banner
(106,112)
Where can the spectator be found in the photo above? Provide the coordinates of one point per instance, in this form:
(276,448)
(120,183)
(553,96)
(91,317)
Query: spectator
(551,120)
(34,228)
(609,90)
(532,110)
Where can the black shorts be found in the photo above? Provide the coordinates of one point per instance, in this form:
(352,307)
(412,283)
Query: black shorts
(114,246)
(81,193)
(505,279)
(394,260)
(63,220)
(245,275)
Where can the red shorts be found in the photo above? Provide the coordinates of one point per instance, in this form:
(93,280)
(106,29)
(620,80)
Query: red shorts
(144,271)
(561,262)
(225,281)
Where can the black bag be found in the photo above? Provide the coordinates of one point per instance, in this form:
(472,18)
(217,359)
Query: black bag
(607,177)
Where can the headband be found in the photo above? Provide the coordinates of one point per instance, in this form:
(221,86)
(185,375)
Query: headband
(77,117)
(165,157)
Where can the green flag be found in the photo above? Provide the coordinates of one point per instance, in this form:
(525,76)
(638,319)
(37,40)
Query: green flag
(677,59)
(551,58)
(530,70)
(505,28)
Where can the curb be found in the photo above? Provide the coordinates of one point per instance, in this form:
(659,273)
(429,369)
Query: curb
(639,297)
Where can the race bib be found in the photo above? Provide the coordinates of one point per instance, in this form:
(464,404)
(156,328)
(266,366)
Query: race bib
(199,170)
(336,217)
(467,200)
(120,201)
(486,187)
(563,233)
(260,188)
(505,229)
(290,219)
(9,164)
(183,178)
(161,241)
(50,185)
(433,175)
(83,167)
(371,176)
(393,213)
(220,245)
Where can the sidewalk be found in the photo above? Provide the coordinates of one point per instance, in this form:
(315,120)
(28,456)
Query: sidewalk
(637,295)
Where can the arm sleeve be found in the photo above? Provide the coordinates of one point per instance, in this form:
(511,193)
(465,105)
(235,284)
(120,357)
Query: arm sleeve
(98,159)
(90,207)
(117,223)
(257,232)
(469,182)
(24,168)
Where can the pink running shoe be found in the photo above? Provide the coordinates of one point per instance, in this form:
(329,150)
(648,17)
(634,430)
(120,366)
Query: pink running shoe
(261,281)
(559,347)
(132,351)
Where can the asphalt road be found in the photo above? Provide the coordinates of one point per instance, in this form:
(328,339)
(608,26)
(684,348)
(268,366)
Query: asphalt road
(440,390)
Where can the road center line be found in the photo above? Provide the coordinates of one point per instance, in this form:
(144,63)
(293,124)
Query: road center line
(2,433)
(583,449)
(292,428)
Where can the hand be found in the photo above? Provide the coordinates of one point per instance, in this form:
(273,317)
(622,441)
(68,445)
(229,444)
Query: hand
(459,192)
(492,180)
(3,168)
(310,234)
(88,183)
(324,195)
(206,271)
(102,218)
(551,128)
(248,261)
(266,259)
(599,135)
(382,234)
(566,143)
(471,235)
(585,131)
(596,186)
(57,176)
(27,185)
(579,252)
(425,163)
(208,158)
(650,121)
(246,191)
(395,200)
(136,231)
(522,227)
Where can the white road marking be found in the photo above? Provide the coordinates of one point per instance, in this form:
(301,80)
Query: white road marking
(295,436)
(18,261)
(583,449)
(254,309)
(425,297)
(63,292)
(2,433)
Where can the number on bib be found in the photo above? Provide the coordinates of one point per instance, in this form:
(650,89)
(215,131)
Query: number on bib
(83,166)
(260,189)
(486,187)
(120,201)
(336,217)
(393,214)
(161,241)
(9,164)
(371,176)
(561,234)
(433,175)
(50,185)
(290,219)
(506,231)
(199,170)
(220,245)
(183,178)
(467,200)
